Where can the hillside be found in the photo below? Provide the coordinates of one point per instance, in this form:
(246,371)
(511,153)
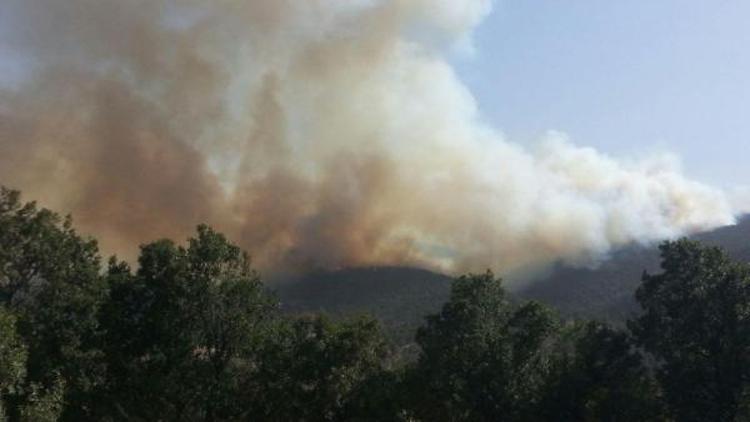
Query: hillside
(607,292)
(401,297)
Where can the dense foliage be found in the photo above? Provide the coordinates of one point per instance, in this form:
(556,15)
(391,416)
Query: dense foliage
(192,334)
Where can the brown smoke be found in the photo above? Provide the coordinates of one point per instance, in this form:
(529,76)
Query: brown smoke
(315,133)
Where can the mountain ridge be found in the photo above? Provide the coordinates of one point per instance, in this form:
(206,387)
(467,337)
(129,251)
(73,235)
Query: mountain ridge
(400,297)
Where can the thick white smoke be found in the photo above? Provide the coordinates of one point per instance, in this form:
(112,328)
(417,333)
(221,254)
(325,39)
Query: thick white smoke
(315,133)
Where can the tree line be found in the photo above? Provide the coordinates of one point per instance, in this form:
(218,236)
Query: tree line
(192,334)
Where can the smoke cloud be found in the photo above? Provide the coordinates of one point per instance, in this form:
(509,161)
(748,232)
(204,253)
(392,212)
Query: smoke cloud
(316,133)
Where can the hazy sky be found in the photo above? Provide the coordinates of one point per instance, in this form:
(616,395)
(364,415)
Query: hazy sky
(627,77)
(333,133)
(624,76)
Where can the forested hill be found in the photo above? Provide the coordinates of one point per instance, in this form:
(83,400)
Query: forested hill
(607,292)
(401,297)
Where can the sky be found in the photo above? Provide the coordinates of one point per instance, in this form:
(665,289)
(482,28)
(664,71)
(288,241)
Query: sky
(625,77)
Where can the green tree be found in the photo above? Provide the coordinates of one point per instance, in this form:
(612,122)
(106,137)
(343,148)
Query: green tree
(599,375)
(20,400)
(482,357)
(181,331)
(696,322)
(49,278)
(12,360)
(315,369)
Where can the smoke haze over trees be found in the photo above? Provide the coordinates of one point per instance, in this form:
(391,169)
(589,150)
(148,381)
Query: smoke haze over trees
(191,334)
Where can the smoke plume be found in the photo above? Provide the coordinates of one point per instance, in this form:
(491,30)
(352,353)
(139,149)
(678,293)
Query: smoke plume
(320,133)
